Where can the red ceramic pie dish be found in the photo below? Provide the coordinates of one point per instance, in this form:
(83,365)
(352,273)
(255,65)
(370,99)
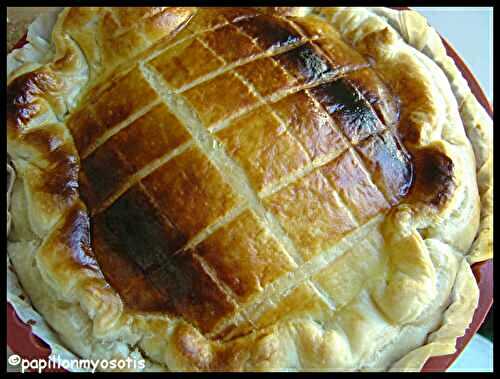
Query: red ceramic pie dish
(24,343)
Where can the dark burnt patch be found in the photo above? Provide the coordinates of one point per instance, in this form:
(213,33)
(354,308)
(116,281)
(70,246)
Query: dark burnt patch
(102,173)
(336,95)
(146,235)
(305,63)
(194,294)
(377,94)
(121,272)
(434,177)
(269,31)
(350,111)
(152,245)
(389,163)
(132,237)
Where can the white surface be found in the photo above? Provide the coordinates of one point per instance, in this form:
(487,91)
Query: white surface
(470,32)
(477,356)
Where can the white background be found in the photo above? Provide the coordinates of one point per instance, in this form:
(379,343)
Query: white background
(470,31)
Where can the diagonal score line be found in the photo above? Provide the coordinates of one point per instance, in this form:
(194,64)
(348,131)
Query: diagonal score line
(192,35)
(285,283)
(212,228)
(346,139)
(283,238)
(276,230)
(300,173)
(352,149)
(283,124)
(297,258)
(141,174)
(295,253)
(268,100)
(161,260)
(158,78)
(323,295)
(240,62)
(233,174)
(109,133)
(143,57)
(212,273)
(329,59)
(221,125)
(339,131)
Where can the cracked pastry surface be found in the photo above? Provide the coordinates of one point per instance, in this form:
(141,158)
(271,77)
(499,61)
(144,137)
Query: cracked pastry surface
(249,189)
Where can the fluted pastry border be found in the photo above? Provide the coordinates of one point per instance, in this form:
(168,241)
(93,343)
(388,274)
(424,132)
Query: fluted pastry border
(415,30)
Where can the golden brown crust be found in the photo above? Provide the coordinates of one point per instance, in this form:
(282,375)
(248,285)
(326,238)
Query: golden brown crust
(230,190)
(477,123)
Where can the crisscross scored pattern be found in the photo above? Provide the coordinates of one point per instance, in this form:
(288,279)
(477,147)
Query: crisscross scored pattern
(204,179)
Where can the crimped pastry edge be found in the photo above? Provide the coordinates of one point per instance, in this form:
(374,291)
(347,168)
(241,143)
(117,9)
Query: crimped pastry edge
(37,51)
(416,31)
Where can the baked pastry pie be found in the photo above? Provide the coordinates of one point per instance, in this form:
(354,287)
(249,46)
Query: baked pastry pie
(249,189)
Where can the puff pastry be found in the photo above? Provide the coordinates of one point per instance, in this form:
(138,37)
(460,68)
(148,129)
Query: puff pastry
(249,189)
